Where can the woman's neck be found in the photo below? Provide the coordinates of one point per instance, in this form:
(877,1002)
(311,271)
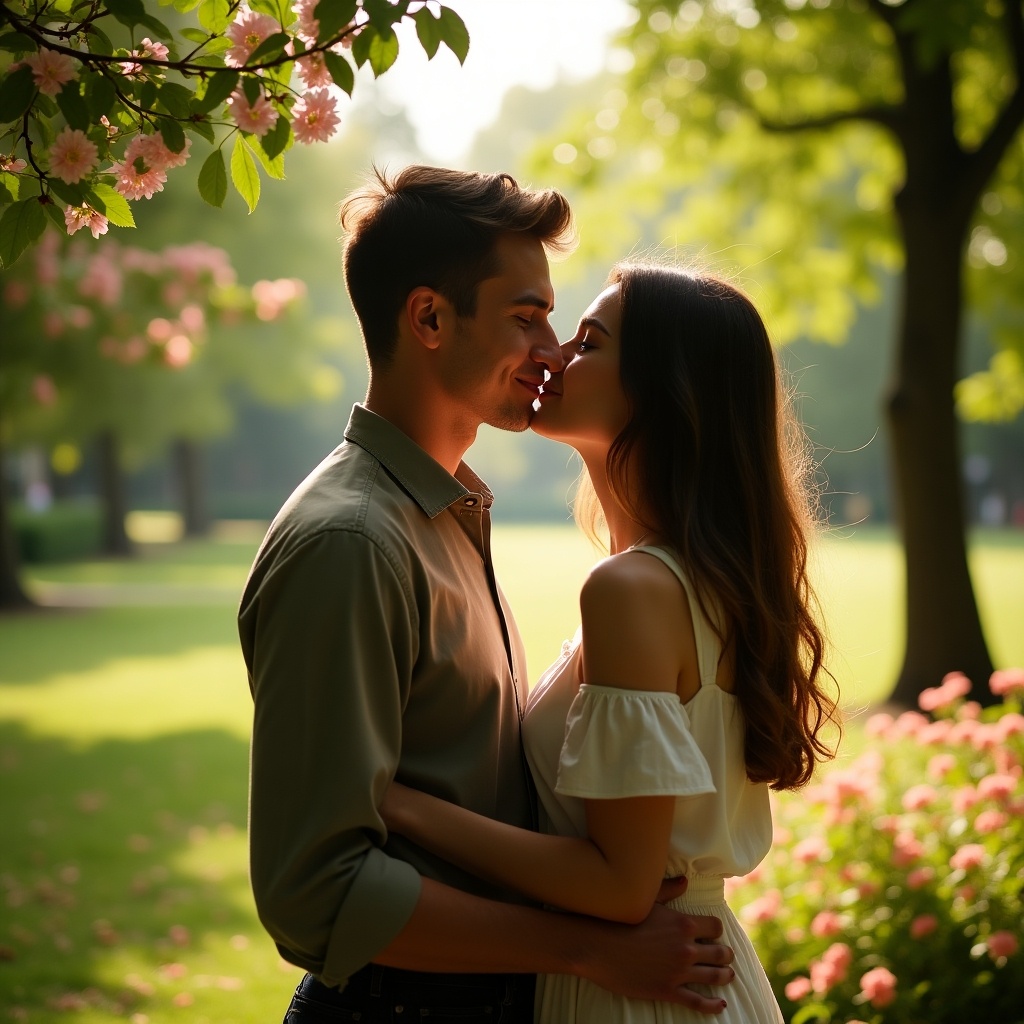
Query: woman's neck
(624,531)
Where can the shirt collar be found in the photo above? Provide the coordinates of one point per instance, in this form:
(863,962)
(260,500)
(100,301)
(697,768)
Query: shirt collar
(427,482)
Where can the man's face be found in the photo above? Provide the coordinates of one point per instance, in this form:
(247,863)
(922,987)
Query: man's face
(496,362)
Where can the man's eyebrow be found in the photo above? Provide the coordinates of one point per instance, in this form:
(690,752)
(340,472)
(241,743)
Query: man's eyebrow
(533,299)
(592,321)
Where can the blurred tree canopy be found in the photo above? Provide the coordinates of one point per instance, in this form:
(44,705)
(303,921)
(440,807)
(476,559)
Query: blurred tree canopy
(819,144)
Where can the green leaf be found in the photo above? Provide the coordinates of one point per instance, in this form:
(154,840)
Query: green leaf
(214,15)
(11,184)
(219,86)
(194,35)
(17,42)
(20,226)
(73,107)
(332,16)
(384,13)
(244,175)
(173,134)
(340,70)
(810,1013)
(184,6)
(73,195)
(16,94)
(213,179)
(128,12)
(146,94)
(111,204)
(428,31)
(56,214)
(158,28)
(380,49)
(271,48)
(252,87)
(273,165)
(277,139)
(99,41)
(204,128)
(176,99)
(100,95)
(454,33)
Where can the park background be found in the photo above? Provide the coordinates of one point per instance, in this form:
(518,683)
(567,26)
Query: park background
(124,710)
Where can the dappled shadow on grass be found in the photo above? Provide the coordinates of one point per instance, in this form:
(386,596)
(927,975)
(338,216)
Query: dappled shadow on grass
(123,872)
(40,645)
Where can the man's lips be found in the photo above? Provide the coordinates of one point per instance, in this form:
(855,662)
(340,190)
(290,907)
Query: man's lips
(533,386)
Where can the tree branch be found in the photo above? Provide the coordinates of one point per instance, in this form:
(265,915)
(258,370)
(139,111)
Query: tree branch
(982,163)
(885,115)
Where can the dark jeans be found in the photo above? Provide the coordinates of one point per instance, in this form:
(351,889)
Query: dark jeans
(387,995)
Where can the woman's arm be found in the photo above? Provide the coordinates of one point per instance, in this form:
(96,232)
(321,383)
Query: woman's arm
(632,608)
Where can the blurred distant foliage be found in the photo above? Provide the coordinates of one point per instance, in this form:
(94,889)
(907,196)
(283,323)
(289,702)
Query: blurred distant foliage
(818,145)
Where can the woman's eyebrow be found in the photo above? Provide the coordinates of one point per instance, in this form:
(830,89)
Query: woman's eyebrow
(592,321)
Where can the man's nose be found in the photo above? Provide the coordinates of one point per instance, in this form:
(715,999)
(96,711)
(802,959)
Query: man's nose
(547,351)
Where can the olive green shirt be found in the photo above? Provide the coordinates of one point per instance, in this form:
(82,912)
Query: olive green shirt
(378,646)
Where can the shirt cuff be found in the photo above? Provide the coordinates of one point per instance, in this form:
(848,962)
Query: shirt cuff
(376,908)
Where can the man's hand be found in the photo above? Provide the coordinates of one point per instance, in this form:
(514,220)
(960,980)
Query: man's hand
(661,958)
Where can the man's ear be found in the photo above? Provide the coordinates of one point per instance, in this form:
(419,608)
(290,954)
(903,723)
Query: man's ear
(427,312)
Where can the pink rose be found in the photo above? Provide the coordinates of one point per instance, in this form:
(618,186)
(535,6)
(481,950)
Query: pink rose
(996,786)
(990,821)
(970,855)
(920,877)
(1001,944)
(810,849)
(826,924)
(1006,681)
(922,925)
(879,987)
(798,988)
(919,797)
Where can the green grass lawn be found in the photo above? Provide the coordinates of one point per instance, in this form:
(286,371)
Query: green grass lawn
(124,727)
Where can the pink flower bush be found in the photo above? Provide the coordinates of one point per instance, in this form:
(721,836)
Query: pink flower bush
(915,911)
(1007,681)
(72,155)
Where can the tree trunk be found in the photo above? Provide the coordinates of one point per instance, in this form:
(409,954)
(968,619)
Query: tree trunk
(112,496)
(943,629)
(188,464)
(12,594)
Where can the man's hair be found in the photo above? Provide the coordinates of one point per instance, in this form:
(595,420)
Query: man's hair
(436,228)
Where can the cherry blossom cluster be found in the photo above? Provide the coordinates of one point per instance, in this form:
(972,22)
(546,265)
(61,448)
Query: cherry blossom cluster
(896,882)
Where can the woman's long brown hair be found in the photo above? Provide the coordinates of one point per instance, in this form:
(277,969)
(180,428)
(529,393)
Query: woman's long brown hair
(721,473)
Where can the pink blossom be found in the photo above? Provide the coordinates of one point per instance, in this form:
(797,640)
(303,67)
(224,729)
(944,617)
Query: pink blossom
(1001,944)
(907,848)
(990,821)
(798,988)
(919,797)
(824,975)
(941,765)
(51,70)
(155,153)
(910,723)
(246,32)
(764,908)
(878,725)
(76,217)
(313,71)
(969,709)
(964,798)
(922,925)
(920,877)
(315,117)
(1006,680)
(53,324)
(256,118)
(156,51)
(309,27)
(996,786)
(44,391)
(178,351)
(826,924)
(963,731)
(935,732)
(966,893)
(12,164)
(810,849)
(970,855)
(72,156)
(840,954)
(135,184)
(102,280)
(1011,724)
(879,987)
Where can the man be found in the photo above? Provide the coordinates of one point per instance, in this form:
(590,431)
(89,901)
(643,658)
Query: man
(378,643)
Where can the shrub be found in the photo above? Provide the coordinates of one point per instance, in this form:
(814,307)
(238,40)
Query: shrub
(894,892)
(65,531)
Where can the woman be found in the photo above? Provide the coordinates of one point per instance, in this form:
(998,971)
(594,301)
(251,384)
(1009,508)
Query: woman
(695,682)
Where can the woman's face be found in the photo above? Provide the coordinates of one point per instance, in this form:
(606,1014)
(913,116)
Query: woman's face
(583,404)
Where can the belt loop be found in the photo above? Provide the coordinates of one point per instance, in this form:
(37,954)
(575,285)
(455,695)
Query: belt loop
(376,980)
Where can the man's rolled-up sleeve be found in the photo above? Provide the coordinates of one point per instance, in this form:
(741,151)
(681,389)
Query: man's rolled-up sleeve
(330,634)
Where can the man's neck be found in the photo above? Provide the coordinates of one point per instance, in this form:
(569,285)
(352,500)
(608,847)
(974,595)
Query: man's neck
(415,414)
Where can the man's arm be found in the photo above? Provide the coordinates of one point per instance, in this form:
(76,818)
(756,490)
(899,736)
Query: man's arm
(454,931)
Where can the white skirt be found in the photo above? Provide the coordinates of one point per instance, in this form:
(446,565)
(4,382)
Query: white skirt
(565,999)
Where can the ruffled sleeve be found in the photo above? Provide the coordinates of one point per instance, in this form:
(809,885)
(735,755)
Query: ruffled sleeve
(622,743)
